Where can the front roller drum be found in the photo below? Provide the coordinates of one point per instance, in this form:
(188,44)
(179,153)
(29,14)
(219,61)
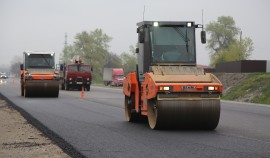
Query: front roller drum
(41,89)
(198,114)
(51,92)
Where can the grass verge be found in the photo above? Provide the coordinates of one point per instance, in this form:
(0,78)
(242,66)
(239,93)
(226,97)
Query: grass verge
(255,88)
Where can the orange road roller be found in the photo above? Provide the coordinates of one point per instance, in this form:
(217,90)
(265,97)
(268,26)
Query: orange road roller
(167,86)
(38,75)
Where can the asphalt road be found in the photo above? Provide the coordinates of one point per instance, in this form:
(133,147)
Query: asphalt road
(95,126)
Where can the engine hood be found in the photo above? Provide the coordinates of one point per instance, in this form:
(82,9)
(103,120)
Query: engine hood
(181,74)
(41,71)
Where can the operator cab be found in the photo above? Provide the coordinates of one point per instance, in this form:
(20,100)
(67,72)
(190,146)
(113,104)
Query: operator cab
(166,44)
(36,60)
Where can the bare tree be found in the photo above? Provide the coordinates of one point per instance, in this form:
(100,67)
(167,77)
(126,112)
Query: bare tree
(15,65)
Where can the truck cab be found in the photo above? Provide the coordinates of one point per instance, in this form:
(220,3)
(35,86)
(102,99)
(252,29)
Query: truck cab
(118,76)
(75,75)
(113,76)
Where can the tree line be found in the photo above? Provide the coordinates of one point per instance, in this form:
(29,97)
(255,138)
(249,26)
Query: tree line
(225,43)
(93,47)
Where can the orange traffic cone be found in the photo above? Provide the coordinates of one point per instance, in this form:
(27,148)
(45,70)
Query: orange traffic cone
(82,94)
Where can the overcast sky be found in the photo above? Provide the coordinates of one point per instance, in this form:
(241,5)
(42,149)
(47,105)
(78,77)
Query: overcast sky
(41,24)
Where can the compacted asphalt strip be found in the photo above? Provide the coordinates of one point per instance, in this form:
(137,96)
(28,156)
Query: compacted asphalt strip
(95,127)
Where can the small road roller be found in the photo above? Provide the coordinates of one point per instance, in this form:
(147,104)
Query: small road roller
(38,75)
(167,86)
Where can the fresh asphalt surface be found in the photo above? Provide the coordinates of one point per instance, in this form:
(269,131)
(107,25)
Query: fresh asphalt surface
(96,127)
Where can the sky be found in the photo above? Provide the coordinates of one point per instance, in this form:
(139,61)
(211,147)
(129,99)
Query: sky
(41,24)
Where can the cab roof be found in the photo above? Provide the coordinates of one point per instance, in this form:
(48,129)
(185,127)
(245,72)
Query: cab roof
(38,52)
(165,23)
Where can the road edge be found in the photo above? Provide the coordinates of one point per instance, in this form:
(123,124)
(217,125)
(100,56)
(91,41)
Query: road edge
(62,143)
(245,103)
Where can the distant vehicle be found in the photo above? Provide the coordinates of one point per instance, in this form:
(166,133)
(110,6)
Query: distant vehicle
(113,76)
(3,75)
(75,75)
(38,74)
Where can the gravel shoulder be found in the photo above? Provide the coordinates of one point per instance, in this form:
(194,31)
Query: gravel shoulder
(230,80)
(18,138)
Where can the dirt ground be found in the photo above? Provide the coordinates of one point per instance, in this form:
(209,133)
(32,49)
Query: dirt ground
(20,139)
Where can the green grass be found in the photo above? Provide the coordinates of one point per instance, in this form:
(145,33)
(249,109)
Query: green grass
(257,86)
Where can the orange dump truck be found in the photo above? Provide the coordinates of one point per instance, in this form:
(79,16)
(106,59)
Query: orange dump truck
(38,74)
(167,86)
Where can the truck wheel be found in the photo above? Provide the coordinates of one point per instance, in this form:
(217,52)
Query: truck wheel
(62,86)
(66,86)
(88,88)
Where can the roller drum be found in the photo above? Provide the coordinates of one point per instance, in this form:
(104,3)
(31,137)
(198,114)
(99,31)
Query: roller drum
(199,114)
(41,89)
(130,112)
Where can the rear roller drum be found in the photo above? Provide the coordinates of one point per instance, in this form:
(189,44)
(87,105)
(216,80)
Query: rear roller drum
(130,113)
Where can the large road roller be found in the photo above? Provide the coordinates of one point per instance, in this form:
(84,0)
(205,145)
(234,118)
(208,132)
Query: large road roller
(38,75)
(167,87)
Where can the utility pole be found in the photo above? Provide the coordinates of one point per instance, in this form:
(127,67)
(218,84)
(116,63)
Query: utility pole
(240,36)
(65,40)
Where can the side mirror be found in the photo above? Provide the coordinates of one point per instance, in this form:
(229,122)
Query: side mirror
(141,37)
(141,34)
(137,50)
(203,37)
(21,66)
(91,68)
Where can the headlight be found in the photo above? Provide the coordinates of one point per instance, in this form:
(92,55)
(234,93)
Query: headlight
(189,24)
(70,78)
(28,76)
(165,88)
(212,88)
(56,77)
